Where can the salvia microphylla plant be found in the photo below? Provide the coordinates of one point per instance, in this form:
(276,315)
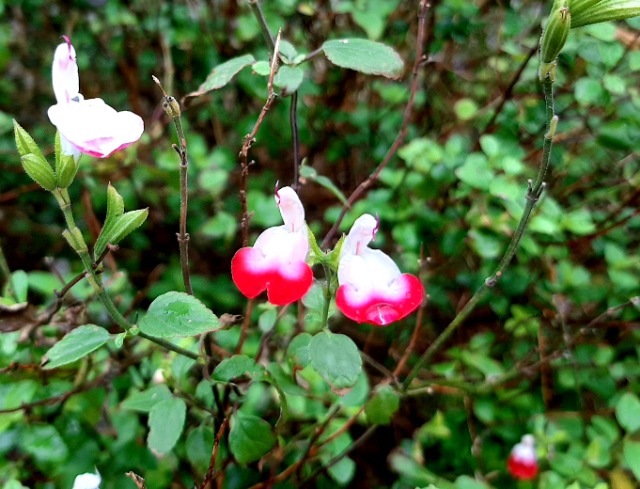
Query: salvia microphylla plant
(371,288)
(366,284)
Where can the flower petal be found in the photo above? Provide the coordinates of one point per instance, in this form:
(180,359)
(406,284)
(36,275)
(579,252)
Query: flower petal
(402,297)
(64,73)
(522,469)
(96,128)
(253,273)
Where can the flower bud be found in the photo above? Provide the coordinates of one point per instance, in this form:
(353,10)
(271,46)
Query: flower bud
(555,33)
(66,171)
(586,12)
(39,170)
(171,107)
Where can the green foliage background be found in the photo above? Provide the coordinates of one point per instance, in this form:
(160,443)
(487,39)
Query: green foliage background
(552,350)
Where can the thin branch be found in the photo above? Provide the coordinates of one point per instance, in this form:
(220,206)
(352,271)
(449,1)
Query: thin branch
(534,192)
(172,108)
(264,28)
(250,138)
(293,119)
(368,183)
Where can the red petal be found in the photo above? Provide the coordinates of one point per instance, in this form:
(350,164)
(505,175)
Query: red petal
(382,310)
(523,470)
(248,281)
(281,289)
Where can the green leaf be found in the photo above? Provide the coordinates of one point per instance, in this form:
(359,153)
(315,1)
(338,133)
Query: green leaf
(145,400)
(235,366)
(310,173)
(586,12)
(488,366)
(75,345)
(336,358)
(166,420)
(475,171)
(628,412)
(631,451)
(382,406)
(115,208)
(365,56)
(465,109)
(39,170)
(222,74)
(44,443)
(343,471)
(176,314)
(25,143)
(199,445)
(288,79)
(126,224)
(466,482)
(262,68)
(250,437)
(20,284)
(298,350)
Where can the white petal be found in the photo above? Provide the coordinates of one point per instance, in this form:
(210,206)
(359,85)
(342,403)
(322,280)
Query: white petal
(291,209)
(360,235)
(64,73)
(87,481)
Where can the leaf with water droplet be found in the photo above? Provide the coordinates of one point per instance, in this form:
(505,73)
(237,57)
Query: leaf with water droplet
(176,314)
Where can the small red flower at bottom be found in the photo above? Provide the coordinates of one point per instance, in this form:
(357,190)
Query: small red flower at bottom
(522,463)
(372,289)
(276,262)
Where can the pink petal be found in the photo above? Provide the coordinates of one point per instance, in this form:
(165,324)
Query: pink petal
(381,307)
(522,469)
(64,73)
(96,128)
(253,273)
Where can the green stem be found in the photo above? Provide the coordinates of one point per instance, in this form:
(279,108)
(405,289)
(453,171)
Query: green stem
(262,22)
(533,194)
(76,240)
(327,296)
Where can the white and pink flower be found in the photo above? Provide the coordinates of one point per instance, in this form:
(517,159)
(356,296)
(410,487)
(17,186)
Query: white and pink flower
(371,287)
(87,126)
(277,261)
(523,463)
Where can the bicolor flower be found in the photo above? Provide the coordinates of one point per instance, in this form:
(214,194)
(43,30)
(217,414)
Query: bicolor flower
(276,262)
(371,287)
(86,126)
(87,481)
(522,463)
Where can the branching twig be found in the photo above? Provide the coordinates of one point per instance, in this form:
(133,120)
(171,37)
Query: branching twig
(364,186)
(172,108)
(535,189)
(249,139)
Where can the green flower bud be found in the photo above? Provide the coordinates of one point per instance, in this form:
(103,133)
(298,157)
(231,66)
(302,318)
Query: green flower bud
(553,39)
(39,170)
(555,33)
(585,12)
(66,171)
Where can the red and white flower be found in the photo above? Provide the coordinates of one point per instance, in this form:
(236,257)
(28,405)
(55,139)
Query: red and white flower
(523,463)
(86,126)
(276,262)
(371,287)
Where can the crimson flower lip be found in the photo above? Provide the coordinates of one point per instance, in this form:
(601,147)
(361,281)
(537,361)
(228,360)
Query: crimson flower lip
(86,126)
(371,287)
(522,463)
(277,261)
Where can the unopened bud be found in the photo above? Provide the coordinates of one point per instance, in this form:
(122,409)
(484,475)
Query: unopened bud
(66,171)
(555,33)
(171,107)
(39,170)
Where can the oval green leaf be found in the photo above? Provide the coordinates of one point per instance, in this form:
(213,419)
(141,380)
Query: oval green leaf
(336,358)
(176,314)
(223,74)
(166,420)
(250,437)
(370,57)
(75,345)
(235,366)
